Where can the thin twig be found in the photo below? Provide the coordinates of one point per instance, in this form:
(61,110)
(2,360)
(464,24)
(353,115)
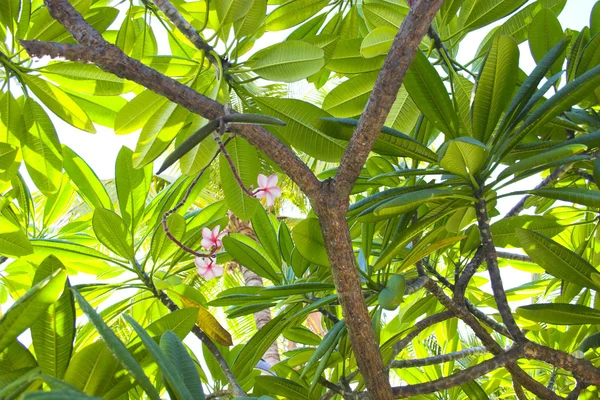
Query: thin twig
(439,359)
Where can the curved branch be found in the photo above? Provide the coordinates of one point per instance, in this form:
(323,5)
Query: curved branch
(439,359)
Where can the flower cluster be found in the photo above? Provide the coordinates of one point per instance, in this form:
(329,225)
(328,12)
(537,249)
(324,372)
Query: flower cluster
(206,266)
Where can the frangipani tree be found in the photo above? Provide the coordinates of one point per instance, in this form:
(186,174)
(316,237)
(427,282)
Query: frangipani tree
(424,152)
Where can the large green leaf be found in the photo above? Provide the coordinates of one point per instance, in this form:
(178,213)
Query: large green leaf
(410,201)
(29,307)
(378,42)
(303,128)
(388,14)
(560,314)
(87,183)
(251,255)
(463,156)
(54,330)
(158,132)
(544,33)
(59,103)
(292,13)
(172,374)
(245,160)
(505,230)
(570,94)
(265,232)
(475,14)
(162,247)
(495,87)
(431,96)
(132,187)
(58,395)
(556,259)
(13,240)
(309,241)
(349,98)
(41,148)
(545,157)
(288,61)
(138,111)
(586,197)
(117,348)
(176,352)
(86,78)
(111,231)
(346,58)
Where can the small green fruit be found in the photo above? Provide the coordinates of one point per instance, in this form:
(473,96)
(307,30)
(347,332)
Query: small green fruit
(397,285)
(387,300)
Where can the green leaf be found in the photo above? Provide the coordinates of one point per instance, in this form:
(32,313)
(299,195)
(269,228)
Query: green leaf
(286,245)
(392,142)
(189,143)
(87,183)
(132,187)
(309,241)
(505,230)
(13,241)
(495,87)
(231,10)
(169,371)
(253,20)
(245,160)
(586,197)
(251,255)
(349,98)
(544,33)
(300,334)
(329,340)
(58,395)
(295,288)
(590,342)
(346,59)
(463,156)
(597,170)
(102,110)
(288,61)
(560,314)
(265,232)
(556,259)
(117,348)
(475,14)
(44,27)
(86,78)
(28,308)
(462,100)
(282,387)
(172,346)
(138,111)
(378,42)
(385,14)
(111,231)
(59,103)
(595,19)
(293,13)
(54,330)
(258,344)
(570,94)
(410,201)
(303,128)
(158,132)
(41,148)
(162,247)
(545,157)
(431,96)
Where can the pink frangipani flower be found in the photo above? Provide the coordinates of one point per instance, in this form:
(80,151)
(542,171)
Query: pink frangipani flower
(207,268)
(211,240)
(268,187)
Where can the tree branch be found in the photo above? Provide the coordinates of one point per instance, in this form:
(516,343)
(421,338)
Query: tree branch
(405,45)
(442,358)
(111,59)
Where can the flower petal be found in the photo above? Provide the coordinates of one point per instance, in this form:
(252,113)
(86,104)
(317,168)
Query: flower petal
(207,243)
(270,199)
(272,180)
(217,269)
(206,233)
(260,194)
(275,191)
(215,231)
(262,181)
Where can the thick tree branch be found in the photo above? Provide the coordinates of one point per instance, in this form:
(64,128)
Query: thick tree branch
(442,358)
(111,59)
(405,45)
